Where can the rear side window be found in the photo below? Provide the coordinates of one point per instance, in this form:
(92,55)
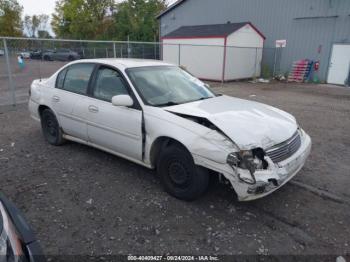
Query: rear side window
(60,79)
(78,77)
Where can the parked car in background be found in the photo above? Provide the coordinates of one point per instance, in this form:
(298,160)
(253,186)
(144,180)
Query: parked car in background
(17,241)
(24,54)
(36,54)
(2,52)
(159,116)
(60,55)
(81,54)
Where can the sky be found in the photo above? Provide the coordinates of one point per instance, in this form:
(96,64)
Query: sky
(35,7)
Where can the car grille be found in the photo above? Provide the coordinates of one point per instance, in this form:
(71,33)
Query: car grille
(285,150)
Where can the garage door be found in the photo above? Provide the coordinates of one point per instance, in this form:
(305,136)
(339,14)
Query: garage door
(339,66)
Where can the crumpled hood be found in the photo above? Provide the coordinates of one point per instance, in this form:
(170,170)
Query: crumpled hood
(249,124)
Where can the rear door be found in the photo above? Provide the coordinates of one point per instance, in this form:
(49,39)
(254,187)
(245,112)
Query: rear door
(339,67)
(69,99)
(113,127)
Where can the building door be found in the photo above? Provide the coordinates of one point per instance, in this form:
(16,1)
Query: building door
(339,66)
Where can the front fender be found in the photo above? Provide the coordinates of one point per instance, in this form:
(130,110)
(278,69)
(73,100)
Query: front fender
(199,140)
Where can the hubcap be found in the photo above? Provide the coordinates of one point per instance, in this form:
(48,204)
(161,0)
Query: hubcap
(178,174)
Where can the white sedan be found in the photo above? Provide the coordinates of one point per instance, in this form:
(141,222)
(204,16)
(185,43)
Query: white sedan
(159,116)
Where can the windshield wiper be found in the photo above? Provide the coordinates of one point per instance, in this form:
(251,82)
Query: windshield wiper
(204,98)
(170,103)
(200,99)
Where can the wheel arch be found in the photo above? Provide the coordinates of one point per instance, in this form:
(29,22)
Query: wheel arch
(160,143)
(42,107)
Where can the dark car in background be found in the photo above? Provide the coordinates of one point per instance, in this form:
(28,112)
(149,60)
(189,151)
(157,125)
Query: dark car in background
(17,241)
(37,54)
(60,55)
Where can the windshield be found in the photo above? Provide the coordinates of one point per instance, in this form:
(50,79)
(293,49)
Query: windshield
(167,86)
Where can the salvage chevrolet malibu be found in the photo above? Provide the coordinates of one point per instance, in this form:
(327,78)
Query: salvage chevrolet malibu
(161,117)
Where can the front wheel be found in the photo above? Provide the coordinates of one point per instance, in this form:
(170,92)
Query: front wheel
(179,175)
(51,128)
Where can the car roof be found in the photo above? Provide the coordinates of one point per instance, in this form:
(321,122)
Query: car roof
(125,62)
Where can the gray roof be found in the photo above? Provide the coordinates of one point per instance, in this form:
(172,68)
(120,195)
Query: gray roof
(218,30)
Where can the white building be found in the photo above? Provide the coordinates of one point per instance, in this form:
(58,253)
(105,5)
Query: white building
(221,52)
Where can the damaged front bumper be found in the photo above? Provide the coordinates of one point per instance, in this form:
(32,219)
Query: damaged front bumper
(267,181)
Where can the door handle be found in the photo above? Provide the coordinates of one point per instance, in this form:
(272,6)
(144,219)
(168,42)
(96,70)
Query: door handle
(93,109)
(55,99)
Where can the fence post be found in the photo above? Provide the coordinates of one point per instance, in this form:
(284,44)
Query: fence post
(114,51)
(106,52)
(155,51)
(129,51)
(94,52)
(256,60)
(179,54)
(12,87)
(224,64)
(121,51)
(274,64)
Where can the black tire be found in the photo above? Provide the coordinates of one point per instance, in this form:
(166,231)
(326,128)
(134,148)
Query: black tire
(179,175)
(47,58)
(71,58)
(51,129)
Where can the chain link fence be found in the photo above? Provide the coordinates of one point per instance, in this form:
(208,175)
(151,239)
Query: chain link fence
(24,59)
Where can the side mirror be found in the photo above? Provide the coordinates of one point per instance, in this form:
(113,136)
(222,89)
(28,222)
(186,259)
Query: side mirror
(122,100)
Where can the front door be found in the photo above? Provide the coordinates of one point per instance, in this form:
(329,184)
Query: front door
(115,128)
(339,67)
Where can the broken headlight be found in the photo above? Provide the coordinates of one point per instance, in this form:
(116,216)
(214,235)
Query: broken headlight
(251,160)
(248,159)
(10,244)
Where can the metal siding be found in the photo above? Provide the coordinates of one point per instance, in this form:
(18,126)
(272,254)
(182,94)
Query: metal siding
(276,20)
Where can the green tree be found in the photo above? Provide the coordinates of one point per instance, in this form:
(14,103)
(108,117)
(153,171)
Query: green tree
(136,19)
(34,24)
(82,19)
(104,19)
(11,21)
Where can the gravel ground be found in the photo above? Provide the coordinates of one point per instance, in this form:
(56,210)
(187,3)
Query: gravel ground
(81,201)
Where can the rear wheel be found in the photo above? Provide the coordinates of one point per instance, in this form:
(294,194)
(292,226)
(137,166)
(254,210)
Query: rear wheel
(179,175)
(51,128)
(47,58)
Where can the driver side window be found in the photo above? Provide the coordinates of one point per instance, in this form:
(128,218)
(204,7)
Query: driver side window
(109,83)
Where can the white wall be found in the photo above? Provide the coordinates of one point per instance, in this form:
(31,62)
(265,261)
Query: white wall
(203,57)
(170,53)
(244,62)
